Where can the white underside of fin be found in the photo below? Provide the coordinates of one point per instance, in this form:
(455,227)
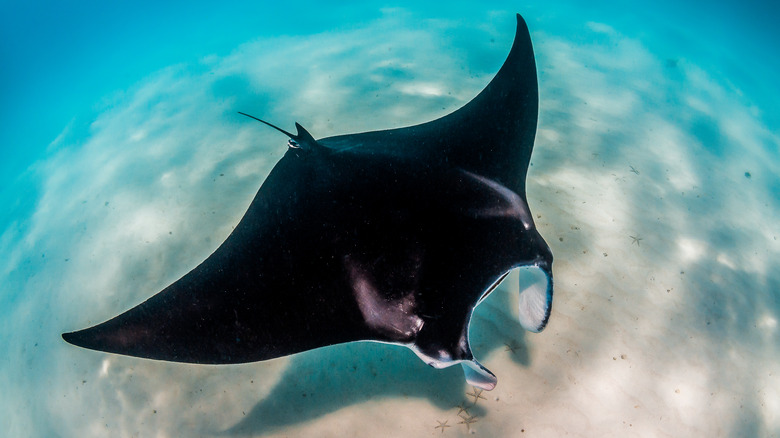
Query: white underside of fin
(535,304)
(477,375)
(535,298)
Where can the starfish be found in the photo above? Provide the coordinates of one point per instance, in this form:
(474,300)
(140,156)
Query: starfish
(442,425)
(477,394)
(462,408)
(635,239)
(513,347)
(468,422)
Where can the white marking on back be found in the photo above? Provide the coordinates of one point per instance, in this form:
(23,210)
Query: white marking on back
(513,204)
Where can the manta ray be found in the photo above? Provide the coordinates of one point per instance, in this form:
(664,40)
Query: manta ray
(391,236)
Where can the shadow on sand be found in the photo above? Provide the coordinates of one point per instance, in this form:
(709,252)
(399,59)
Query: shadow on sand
(328,379)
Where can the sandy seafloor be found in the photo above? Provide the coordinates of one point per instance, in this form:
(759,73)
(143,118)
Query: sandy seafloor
(654,179)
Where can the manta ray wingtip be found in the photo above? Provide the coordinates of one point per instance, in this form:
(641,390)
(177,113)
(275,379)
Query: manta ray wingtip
(75,338)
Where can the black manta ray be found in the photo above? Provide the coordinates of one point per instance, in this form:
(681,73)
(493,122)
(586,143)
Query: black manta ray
(391,236)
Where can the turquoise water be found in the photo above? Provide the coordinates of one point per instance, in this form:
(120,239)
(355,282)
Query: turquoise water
(123,164)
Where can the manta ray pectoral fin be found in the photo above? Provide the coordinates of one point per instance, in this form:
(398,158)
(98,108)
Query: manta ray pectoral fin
(536,287)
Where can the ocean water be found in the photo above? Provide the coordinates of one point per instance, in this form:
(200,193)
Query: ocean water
(123,164)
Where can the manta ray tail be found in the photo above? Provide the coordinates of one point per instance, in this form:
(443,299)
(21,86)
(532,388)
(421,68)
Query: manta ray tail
(302,140)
